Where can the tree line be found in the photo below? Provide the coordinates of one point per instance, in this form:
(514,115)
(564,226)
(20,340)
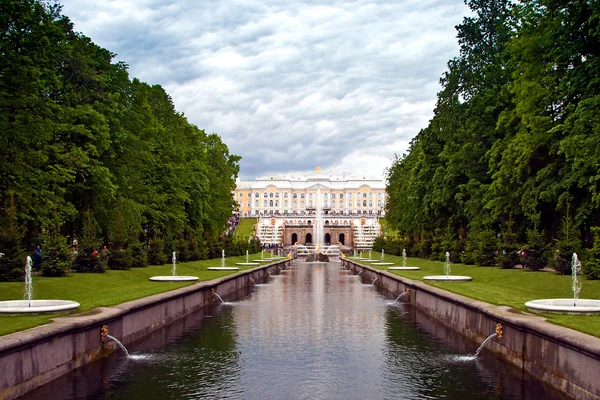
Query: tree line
(510,160)
(91,157)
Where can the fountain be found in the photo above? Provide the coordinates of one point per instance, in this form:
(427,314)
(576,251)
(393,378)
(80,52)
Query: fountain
(403,267)
(114,339)
(222,267)
(247,263)
(263,259)
(574,306)
(367,260)
(447,277)
(382,262)
(34,306)
(174,277)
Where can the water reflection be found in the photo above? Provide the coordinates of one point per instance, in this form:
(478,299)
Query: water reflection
(310,334)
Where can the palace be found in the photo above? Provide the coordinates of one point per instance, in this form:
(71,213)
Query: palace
(314,209)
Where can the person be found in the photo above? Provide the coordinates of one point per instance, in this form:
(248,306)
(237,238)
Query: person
(94,253)
(37,257)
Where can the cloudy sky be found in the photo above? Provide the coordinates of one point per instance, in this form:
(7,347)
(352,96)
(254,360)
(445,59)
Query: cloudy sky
(288,84)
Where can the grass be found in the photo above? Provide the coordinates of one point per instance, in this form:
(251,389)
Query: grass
(510,287)
(245,227)
(103,290)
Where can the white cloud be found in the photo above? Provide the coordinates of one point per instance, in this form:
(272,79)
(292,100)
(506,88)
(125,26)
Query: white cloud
(288,85)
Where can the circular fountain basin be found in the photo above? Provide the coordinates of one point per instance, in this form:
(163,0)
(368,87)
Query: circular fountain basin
(368,260)
(247,264)
(37,306)
(222,269)
(448,278)
(404,268)
(382,264)
(564,306)
(176,278)
(264,260)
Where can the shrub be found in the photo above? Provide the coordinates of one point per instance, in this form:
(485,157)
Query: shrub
(591,268)
(508,247)
(56,259)
(156,255)
(567,244)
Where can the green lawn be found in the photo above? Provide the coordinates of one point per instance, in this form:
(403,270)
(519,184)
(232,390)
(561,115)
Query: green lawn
(246,227)
(107,289)
(511,287)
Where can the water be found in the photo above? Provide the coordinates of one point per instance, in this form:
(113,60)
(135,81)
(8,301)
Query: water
(222,258)
(28,280)
(492,336)
(310,335)
(246,256)
(114,339)
(447,265)
(404,258)
(576,286)
(219,297)
(382,255)
(174,268)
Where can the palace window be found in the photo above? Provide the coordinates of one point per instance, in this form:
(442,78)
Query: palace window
(325,196)
(333,204)
(301,195)
(295,196)
(370,195)
(332,196)
(379,195)
(310,203)
(358,203)
(341,196)
(370,203)
(277,194)
(265,203)
(326,204)
(271,195)
(379,203)
(364,195)
(285,195)
(249,203)
(294,204)
(241,195)
(349,195)
(270,203)
(364,203)
(341,204)
(302,204)
(266,194)
(256,203)
(276,203)
(285,203)
(310,195)
(256,194)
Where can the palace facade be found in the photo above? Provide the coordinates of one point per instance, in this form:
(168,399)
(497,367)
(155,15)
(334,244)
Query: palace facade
(303,195)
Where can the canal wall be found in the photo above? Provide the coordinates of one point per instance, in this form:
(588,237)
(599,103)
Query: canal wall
(561,357)
(31,358)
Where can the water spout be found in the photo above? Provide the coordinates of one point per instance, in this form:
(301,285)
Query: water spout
(114,339)
(400,296)
(253,281)
(222,258)
(493,335)
(375,280)
(576,286)
(359,273)
(28,280)
(219,297)
(404,258)
(174,268)
(447,265)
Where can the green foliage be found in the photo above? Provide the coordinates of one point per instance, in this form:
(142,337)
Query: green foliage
(12,262)
(591,267)
(508,247)
(156,253)
(56,259)
(567,244)
(535,249)
(137,252)
(109,153)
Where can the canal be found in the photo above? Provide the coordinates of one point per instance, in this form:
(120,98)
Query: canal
(313,332)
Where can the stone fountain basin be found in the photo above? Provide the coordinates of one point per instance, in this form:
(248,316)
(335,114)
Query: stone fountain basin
(382,264)
(564,306)
(404,268)
(222,269)
(267,260)
(176,278)
(447,278)
(37,306)
(247,264)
